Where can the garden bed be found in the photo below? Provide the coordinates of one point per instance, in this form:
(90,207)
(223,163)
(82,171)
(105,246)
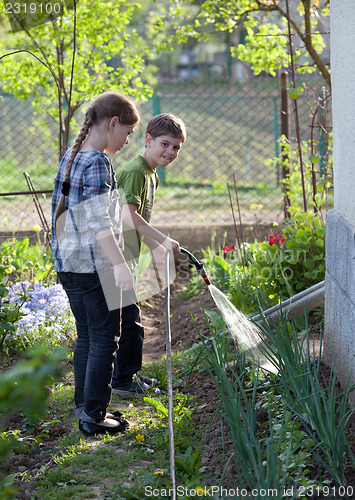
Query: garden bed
(201,386)
(216,449)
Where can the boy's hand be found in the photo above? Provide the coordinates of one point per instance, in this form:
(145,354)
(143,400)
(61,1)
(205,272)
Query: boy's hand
(123,276)
(172,245)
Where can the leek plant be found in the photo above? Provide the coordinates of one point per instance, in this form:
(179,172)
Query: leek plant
(256,459)
(322,411)
(282,427)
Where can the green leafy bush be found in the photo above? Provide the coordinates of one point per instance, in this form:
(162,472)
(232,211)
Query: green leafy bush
(24,261)
(294,260)
(25,389)
(9,312)
(262,273)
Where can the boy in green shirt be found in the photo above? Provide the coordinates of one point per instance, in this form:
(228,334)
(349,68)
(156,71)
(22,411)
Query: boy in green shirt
(139,180)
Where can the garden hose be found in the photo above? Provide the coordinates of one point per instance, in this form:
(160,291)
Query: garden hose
(198,265)
(169,376)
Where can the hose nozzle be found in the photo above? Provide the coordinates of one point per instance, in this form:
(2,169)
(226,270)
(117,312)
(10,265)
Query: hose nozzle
(198,265)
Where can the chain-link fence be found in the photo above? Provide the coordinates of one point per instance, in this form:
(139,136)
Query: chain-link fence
(232,130)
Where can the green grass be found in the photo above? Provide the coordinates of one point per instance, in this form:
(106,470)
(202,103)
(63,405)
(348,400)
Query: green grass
(186,198)
(13,180)
(90,467)
(60,402)
(176,197)
(192,203)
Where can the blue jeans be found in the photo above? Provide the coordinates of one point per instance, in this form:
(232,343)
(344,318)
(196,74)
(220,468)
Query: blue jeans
(130,351)
(98,330)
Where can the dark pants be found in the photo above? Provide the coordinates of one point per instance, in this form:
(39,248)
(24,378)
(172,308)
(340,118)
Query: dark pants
(130,351)
(98,330)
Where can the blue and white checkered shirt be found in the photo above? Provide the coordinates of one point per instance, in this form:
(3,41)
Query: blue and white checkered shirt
(92,206)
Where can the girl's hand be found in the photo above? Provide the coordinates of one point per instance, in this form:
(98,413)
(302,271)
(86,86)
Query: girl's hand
(159,253)
(172,245)
(123,276)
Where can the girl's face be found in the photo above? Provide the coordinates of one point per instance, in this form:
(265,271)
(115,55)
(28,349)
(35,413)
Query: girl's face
(118,134)
(162,150)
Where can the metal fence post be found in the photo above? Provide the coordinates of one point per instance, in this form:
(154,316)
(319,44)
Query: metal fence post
(285,130)
(156,111)
(323,139)
(277,135)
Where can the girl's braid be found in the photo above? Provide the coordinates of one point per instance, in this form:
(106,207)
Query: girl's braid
(90,118)
(88,122)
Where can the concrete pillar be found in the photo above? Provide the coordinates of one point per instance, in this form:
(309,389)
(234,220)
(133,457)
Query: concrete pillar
(339,329)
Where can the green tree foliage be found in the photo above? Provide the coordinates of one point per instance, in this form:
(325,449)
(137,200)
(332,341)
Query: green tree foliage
(261,29)
(110,54)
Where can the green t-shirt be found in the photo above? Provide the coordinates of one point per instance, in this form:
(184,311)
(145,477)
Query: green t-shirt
(139,183)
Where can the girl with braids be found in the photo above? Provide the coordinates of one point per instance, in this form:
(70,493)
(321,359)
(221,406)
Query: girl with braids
(86,238)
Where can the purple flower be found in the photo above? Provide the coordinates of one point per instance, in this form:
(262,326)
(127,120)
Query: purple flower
(41,307)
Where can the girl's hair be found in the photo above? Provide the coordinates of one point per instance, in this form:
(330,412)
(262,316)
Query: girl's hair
(166,124)
(107,105)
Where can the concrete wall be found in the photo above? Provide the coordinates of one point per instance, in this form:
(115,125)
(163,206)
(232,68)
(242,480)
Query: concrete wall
(196,236)
(339,331)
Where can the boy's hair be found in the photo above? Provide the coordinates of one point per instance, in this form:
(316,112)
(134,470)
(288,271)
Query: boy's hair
(106,105)
(166,124)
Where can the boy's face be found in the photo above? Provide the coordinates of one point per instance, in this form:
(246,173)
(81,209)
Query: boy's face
(162,150)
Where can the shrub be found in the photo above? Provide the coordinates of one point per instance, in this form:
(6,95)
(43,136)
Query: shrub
(9,312)
(26,262)
(294,260)
(263,273)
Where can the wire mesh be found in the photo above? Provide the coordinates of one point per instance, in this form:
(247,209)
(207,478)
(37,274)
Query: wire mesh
(232,130)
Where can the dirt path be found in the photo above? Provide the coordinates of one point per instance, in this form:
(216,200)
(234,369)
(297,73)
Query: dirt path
(184,334)
(183,330)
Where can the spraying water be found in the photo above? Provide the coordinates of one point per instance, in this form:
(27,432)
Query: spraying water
(242,329)
(245,332)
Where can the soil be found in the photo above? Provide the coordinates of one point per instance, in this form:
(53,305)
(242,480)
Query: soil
(186,318)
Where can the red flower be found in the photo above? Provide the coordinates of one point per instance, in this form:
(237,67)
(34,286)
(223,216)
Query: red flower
(228,248)
(275,240)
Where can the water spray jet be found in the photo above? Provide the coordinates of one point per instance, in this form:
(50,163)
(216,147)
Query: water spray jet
(239,325)
(245,330)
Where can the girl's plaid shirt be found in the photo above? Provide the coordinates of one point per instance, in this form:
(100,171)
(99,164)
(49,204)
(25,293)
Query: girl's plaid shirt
(91,206)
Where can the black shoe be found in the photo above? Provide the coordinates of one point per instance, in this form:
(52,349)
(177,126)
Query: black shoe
(137,388)
(91,429)
(149,381)
(117,415)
